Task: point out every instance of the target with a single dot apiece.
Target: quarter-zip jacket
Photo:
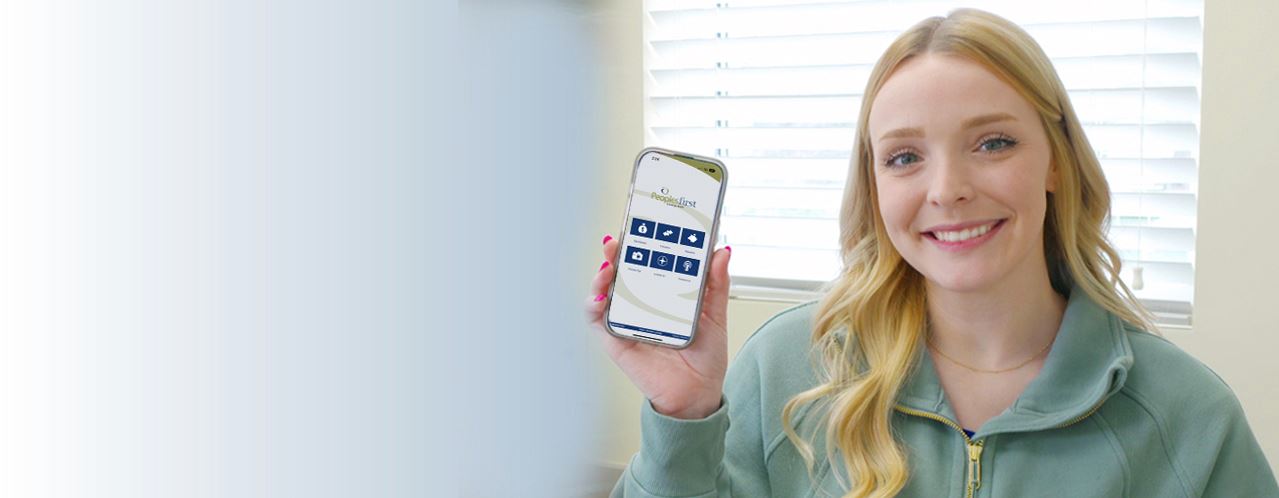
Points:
(1114, 412)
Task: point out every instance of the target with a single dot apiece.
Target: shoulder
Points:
(1176, 401)
(1176, 389)
(784, 340)
(785, 326)
(1163, 370)
(776, 363)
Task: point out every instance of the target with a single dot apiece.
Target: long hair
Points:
(878, 301)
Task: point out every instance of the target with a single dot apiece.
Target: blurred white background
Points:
(251, 249)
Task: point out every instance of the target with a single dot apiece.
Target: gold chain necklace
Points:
(979, 370)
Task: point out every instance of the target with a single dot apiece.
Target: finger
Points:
(715, 299)
(718, 282)
(598, 297)
(594, 308)
(603, 278)
(610, 249)
(612, 344)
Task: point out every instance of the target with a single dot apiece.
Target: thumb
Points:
(718, 284)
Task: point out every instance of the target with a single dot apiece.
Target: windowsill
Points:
(771, 294)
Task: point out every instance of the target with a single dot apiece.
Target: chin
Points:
(966, 280)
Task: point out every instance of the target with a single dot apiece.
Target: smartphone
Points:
(667, 238)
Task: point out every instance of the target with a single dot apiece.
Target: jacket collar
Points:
(1087, 363)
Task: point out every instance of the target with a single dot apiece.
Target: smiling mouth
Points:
(965, 235)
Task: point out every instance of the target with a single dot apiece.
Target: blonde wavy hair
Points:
(879, 299)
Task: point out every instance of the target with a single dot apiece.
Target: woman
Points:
(977, 342)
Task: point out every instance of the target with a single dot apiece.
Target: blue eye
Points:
(901, 159)
(996, 144)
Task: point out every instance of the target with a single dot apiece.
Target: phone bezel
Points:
(710, 251)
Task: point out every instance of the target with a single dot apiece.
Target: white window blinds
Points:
(773, 88)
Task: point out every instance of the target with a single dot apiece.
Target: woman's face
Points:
(962, 167)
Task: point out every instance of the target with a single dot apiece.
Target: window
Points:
(773, 88)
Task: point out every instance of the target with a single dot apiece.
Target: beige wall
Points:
(1236, 268)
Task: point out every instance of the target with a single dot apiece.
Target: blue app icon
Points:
(643, 228)
(687, 266)
(663, 261)
(636, 256)
(668, 233)
(692, 238)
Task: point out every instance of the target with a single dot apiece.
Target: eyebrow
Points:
(968, 123)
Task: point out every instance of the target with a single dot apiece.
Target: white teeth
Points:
(963, 235)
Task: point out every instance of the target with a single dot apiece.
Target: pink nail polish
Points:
(603, 266)
(600, 297)
(607, 238)
(728, 248)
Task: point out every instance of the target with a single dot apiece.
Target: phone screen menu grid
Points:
(685, 242)
(661, 251)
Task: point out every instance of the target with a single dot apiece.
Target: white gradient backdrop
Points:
(249, 248)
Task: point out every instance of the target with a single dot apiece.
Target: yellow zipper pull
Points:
(974, 466)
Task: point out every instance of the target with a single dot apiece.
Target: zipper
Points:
(973, 479)
(1076, 420)
(974, 466)
(975, 447)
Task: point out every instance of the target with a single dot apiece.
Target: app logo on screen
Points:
(662, 261)
(643, 228)
(692, 238)
(687, 266)
(636, 256)
(667, 233)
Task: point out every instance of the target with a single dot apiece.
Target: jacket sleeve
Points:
(721, 455)
(1230, 462)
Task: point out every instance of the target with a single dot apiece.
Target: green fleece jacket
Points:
(1115, 412)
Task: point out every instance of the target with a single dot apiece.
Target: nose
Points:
(950, 183)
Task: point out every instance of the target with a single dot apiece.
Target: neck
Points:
(998, 326)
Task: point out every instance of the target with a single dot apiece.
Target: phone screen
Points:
(664, 248)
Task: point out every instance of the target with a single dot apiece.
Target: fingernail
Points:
(603, 266)
(600, 297)
(728, 248)
(607, 238)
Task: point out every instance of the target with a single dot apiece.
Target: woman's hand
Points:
(682, 383)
